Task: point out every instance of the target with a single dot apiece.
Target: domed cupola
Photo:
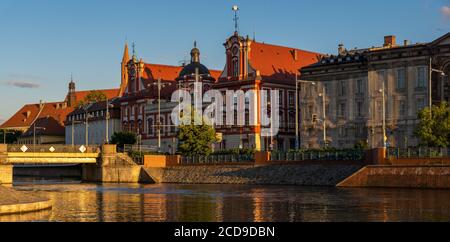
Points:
(189, 70)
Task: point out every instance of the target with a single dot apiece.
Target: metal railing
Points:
(140, 148)
(418, 152)
(341, 155)
(53, 149)
(217, 159)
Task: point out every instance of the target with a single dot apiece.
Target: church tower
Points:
(71, 97)
(124, 70)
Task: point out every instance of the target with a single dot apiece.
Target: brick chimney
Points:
(389, 40)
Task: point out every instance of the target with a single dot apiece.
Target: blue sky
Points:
(43, 41)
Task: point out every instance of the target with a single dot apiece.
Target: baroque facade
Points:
(354, 82)
(249, 65)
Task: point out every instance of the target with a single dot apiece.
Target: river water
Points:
(79, 202)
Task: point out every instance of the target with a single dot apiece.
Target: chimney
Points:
(389, 41)
(295, 52)
(406, 42)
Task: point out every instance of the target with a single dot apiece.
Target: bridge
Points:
(99, 164)
(50, 154)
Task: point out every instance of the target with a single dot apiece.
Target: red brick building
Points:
(252, 65)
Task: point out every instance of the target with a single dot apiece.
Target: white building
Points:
(96, 132)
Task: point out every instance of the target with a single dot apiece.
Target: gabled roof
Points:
(42, 114)
(278, 62)
(25, 117)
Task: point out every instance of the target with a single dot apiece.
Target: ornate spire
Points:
(236, 19)
(126, 55)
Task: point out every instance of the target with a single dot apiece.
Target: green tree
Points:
(93, 97)
(196, 139)
(361, 145)
(434, 129)
(11, 136)
(123, 138)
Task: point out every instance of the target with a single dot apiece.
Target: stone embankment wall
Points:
(409, 176)
(304, 174)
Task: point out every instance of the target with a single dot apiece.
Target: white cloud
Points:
(23, 84)
(445, 10)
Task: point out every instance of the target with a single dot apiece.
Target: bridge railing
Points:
(319, 155)
(417, 153)
(217, 159)
(53, 149)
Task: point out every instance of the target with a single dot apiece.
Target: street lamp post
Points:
(87, 125)
(159, 85)
(430, 93)
(297, 113)
(383, 91)
(107, 118)
(324, 110)
(34, 134)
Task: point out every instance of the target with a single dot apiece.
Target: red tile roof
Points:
(51, 116)
(279, 62)
(168, 73)
(110, 93)
(57, 111)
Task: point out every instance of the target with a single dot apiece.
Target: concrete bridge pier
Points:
(6, 171)
(113, 167)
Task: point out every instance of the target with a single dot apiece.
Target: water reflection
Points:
(233, 203)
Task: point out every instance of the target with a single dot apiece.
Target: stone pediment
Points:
(444, 40)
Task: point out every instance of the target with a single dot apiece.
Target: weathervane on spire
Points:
(134, 49)
(236, 18)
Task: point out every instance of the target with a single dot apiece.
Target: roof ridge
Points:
(163, 65)
(286, 47)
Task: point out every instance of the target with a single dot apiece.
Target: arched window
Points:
(235, 67)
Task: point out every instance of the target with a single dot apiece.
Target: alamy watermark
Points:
(222, 108)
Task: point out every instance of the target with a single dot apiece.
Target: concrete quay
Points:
(14, 202)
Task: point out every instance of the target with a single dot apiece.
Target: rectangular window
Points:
(379, 110)
(291, 98)
(342, 110)
(281, 100)
(291, 120)
(420, 104)
(381, 79)
(327, 89)
(402, 108)
(359, 87)
(421, 77)
(359, 109)
(401, 79)
(343, 90)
